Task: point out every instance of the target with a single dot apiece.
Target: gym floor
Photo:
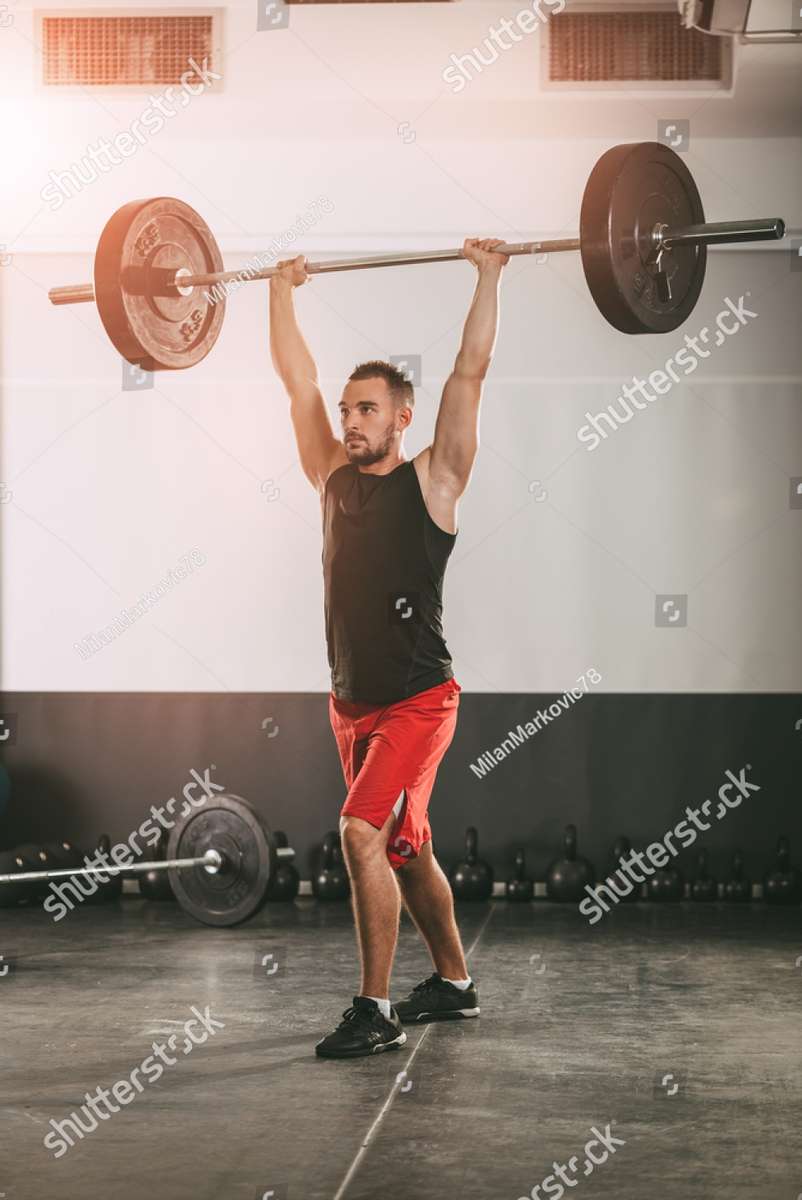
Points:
(671, 1030)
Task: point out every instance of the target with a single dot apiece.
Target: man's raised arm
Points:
(456, 434)
(317, 445)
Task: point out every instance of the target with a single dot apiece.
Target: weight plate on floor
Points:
(631, 189)
(150, 323)
(230, 825)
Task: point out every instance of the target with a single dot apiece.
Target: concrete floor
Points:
(677, 1026)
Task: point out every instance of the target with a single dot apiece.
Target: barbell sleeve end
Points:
(76, 293)
(712, 233)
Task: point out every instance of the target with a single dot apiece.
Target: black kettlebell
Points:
(331, 882)
(781, 886)
(519, 888)
(704, 887)
(738, 888)
(667, 883)
(285, 883)
(12, 894)
(112, 889)
(472, 879)
(568, 876)
(38, 859)
(155, 884)
(64, 855)
(618, 879)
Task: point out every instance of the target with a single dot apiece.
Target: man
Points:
(389, 526)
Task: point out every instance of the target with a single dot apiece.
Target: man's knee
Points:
(359, 838)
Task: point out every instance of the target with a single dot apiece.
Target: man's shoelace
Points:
(429, 984)
(354, 1014)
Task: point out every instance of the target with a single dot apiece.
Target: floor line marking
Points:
(360, 1154)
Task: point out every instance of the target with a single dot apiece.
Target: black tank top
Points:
(384, 560)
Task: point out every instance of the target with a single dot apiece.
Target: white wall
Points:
(108, 489)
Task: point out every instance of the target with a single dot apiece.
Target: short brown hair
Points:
(400, 388)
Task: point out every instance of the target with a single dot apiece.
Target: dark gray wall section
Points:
(84, 763)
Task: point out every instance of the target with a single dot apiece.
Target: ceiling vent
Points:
(626, 48)
(132, 49)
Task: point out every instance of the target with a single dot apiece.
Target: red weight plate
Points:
(140, 248)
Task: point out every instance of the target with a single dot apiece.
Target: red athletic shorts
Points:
(390, 755)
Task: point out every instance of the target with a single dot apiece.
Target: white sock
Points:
(462, 984)
(384, 1005)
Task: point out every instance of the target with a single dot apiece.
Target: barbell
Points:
(221, 860)
(643, 240)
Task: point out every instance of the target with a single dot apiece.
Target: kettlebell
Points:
(38, 859)
(331, 881)
(285, 883)
(472, 879)
(667, 883)
(64, 854)
(567, 877)
(704, 887)
(738, 888)
(155, 885)
(618, 879)
(519, 888)
(12, 894)
(112, 890)
(781, 886)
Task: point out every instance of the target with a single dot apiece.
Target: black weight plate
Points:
(229, 824)
(141, 246)
(630, 190)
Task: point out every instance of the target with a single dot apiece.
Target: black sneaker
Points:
(363, 1030)
(437, 1000)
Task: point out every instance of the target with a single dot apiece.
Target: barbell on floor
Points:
(643, 240)
(221, 860)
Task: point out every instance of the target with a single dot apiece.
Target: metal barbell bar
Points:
(710, 233)
(80, 292)
(212, 860)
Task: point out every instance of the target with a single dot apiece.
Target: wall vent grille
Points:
(114, 51)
